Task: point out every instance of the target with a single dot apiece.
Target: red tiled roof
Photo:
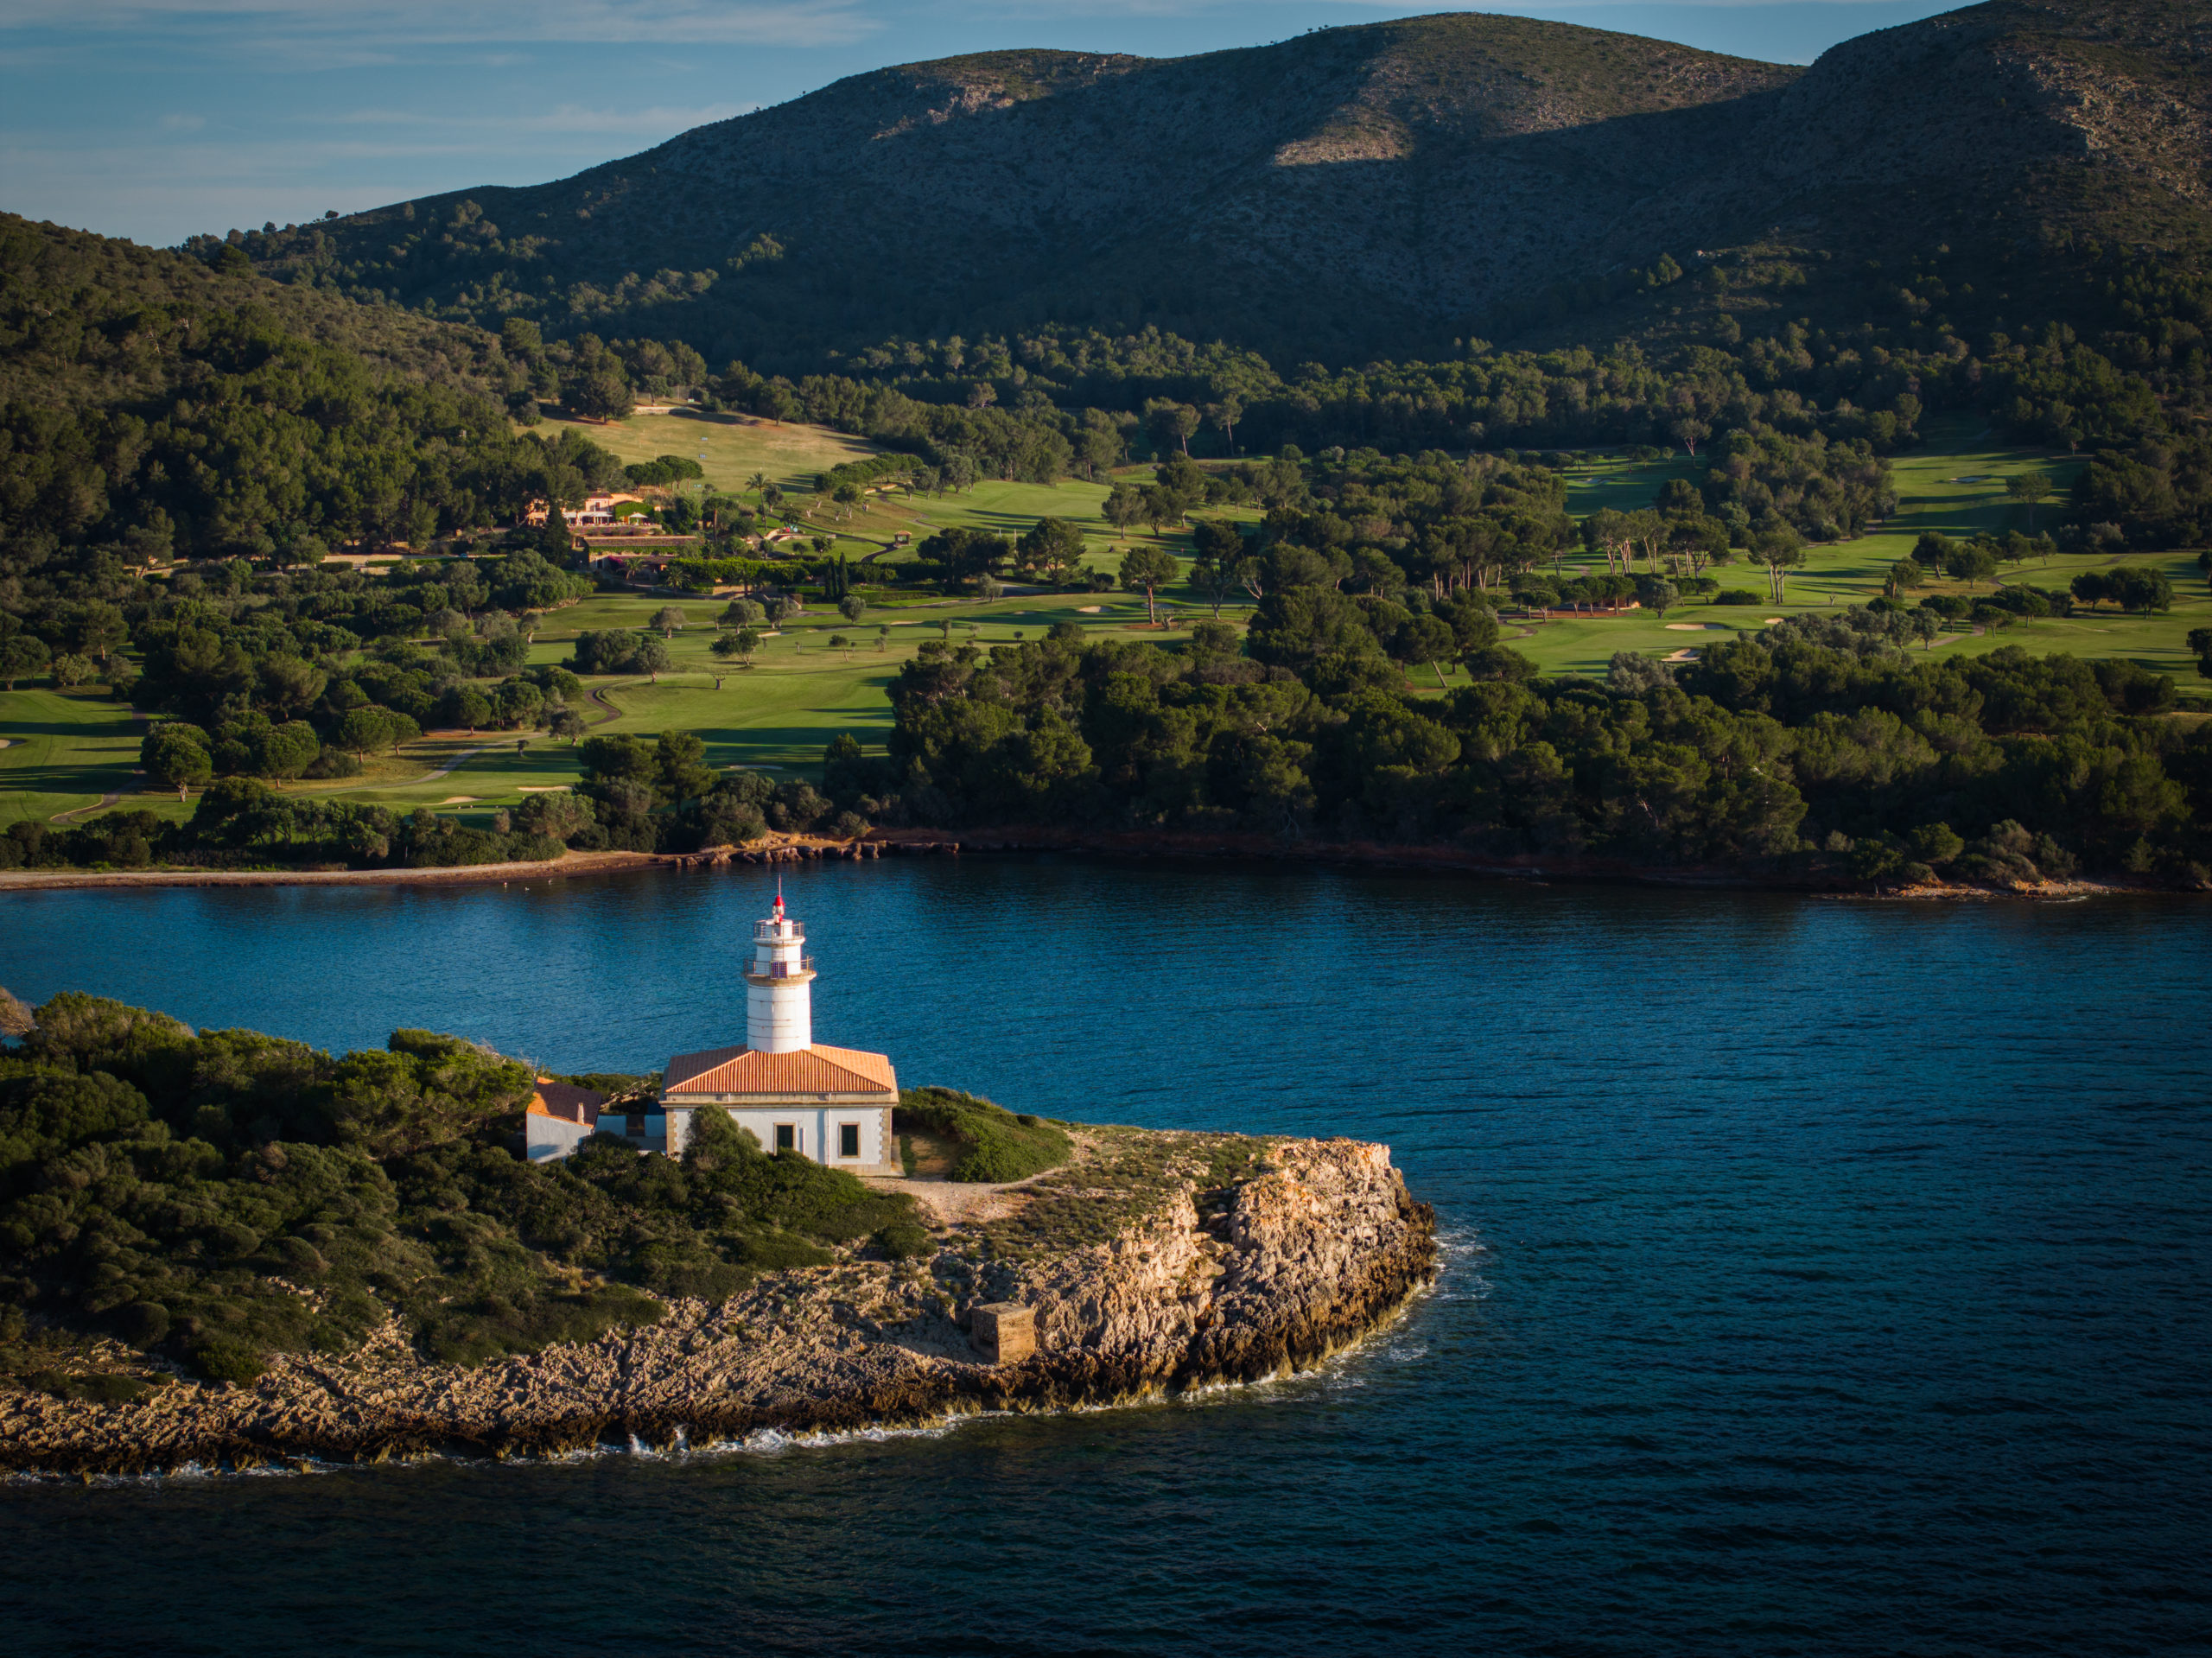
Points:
(818, 1069)
(567, 1101)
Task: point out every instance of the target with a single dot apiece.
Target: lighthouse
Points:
(778, 985)
(794, 1096)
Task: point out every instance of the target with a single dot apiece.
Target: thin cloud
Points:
(388, 29)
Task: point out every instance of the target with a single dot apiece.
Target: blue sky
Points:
(155, 120)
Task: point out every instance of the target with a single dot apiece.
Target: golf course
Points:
(69, 751)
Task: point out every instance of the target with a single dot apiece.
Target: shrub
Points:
(905, 1240)
(142, 1323)
(472, 1332)
(1736, 596)
(99, 1388)
(999, 1145)
(775, 1252)
(225, 1358)
(258, 1198)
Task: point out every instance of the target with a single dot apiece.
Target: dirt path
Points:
(100, 805)
(952, 1202)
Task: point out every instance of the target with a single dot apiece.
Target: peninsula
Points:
(219, 1249)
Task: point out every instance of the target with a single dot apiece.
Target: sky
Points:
(158, 119)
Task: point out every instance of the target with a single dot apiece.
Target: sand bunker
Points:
(458, 800)
(1690, 627)
(540, 789)
(1682, 655)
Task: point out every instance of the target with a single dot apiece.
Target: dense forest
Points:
(220, 1195)
(1817, 752)
(2115, 364)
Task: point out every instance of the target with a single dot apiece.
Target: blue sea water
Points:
(1821, 1278)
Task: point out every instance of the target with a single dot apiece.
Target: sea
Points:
(1818, 1277)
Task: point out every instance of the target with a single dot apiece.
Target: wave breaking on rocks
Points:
(1143, 1280)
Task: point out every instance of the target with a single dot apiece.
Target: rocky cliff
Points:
(1153, 1263)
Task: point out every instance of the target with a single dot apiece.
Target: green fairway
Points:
(66, 751)
(777, 714)
(734, 446)
(1957, 486)
(999, 508)
(1625, 485)
(731, 447)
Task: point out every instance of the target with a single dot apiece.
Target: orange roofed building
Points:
(791, 1093)
(559, 1118)
(831, 1104)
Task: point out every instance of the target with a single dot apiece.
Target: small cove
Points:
(1819, 1277)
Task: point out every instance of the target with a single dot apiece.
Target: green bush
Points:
(1736, 596)
(905, 1240)
(998, 1145)
(494, 1324)
(142, 1323)
(224, 1359)
(786, 1190)
(775, 1252)
(99, 1388)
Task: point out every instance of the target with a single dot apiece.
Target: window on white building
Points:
(786, 1137)
(849, 1139)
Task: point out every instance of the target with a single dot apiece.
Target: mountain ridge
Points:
(1384, 188)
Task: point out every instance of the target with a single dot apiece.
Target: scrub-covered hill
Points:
(1340, 188)
(90, 320)
(1383, 189)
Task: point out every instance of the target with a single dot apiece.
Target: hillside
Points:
(153, 404)
(1383, 189)
(88, 320)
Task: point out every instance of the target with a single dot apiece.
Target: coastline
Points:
(1198, 1286)
(1157, 843)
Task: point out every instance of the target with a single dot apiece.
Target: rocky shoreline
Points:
(1196, 1286)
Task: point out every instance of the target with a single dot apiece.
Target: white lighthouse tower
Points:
(779, 981)
(793, 1095)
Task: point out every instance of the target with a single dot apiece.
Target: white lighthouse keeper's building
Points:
(794, 1094)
